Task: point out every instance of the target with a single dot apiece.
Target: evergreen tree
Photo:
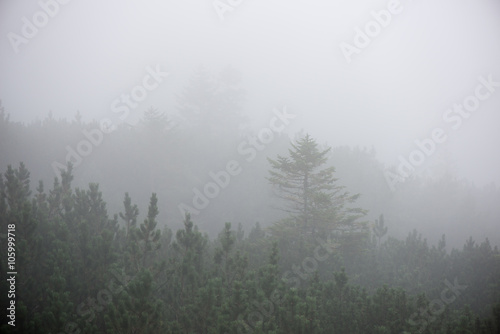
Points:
(71, 275)
(213, 106)
(155, 122)
(379, 229)
(147, 234)
(130, 215)
(310, 191)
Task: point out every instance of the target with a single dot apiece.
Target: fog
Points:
(386, 95)
(197, 101)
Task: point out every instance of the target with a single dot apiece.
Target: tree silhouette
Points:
(379, 229)
(310, 191)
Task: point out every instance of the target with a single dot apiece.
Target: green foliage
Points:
(317, 205)
(130, 214)
(379, 228)
(310, 190)
(80, 270)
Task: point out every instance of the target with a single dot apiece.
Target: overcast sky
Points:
(394, 91)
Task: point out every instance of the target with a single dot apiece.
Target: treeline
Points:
(82, 270)
(174, 159)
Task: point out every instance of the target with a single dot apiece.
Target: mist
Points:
(192, 101)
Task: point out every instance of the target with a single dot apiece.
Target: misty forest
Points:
(210, 193)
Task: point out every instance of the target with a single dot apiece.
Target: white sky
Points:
(394, 92)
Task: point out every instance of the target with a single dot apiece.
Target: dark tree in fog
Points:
(213, 107)
(310, 191)
(379, 228)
